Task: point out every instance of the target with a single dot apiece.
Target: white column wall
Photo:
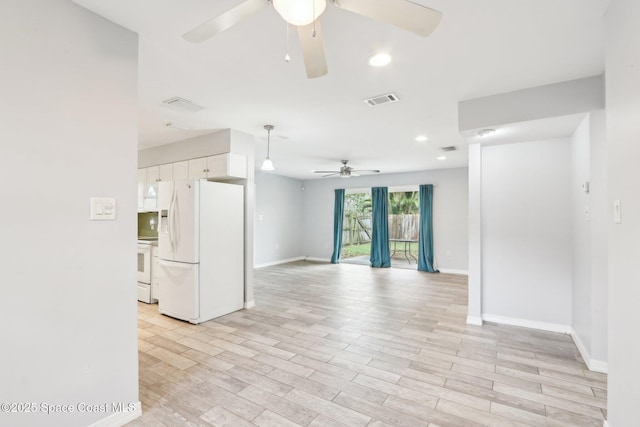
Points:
(69, 132)
(623, 151)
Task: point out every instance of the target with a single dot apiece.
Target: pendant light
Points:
(267, 165)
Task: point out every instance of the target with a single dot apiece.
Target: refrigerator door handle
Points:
(172, 221)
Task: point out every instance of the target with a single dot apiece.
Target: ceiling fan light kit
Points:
(304, 14)
(345, 171)
(380, 60)
(299, 12)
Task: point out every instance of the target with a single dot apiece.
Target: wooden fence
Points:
(356, 230)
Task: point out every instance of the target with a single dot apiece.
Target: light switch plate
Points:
(103, 208)
(617, 212)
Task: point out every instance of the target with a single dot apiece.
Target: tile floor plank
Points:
(347, 345)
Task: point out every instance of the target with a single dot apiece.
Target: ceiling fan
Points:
(304, 15)
(346, 171)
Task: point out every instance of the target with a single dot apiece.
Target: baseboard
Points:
(315, 259)
(599, 366)
(280, 261)
(120, 418)
(593, 365)
(249, 304)
(474, 320)
(524, 323)
(453, 271)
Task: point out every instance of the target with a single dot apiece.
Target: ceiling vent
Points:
(185, 104)
(449, 148)
(382, 99)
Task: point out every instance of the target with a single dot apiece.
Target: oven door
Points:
(144, 263)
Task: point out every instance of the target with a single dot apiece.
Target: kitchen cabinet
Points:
(148, 179)
(148, 188)
(142, 185)
(221, 166)
(180, 170)
(198, 168)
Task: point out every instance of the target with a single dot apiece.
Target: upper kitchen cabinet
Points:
(148, 179)
(221, 166)
(180, 170)
(142, 185)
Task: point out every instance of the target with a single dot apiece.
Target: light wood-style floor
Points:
(348, 345)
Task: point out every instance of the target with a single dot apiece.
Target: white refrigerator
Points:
(201, 249)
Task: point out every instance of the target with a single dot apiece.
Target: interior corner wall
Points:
(69, 132)
(450, 212)
(590, 239)
(580, 218)
(526, 233)
(622, 51)
(279, 219)
(599, 220)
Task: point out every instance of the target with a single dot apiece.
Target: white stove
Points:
(147, 247)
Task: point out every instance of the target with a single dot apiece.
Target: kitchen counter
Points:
(153, 241)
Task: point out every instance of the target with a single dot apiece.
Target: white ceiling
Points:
(480, 48)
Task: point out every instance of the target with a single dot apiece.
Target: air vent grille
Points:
(382, 99)
(449, 148)
(185, 104)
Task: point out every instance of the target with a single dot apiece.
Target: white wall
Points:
(599, 213)
(526, 232)
(474, 304)
(580, 217)
(590, 240)
(623, 152)
(279, 217)
(450, 212)
(555, 100)
(68, 132)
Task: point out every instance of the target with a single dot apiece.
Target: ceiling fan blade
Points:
(331, 174)
(228, 19)
(401, 13)
(312, 46)
(366, 170)
(314, 171)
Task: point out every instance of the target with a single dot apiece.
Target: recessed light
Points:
(442, 157)
(485, 132)
(421, 138)
(380, 60)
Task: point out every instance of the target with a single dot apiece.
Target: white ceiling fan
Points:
(304, 15)
(346, 171)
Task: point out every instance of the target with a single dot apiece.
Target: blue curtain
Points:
(425, 239)
(380, 256)
(338, 215)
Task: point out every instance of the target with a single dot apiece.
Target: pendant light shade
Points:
(300, 12)
(267, 165)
